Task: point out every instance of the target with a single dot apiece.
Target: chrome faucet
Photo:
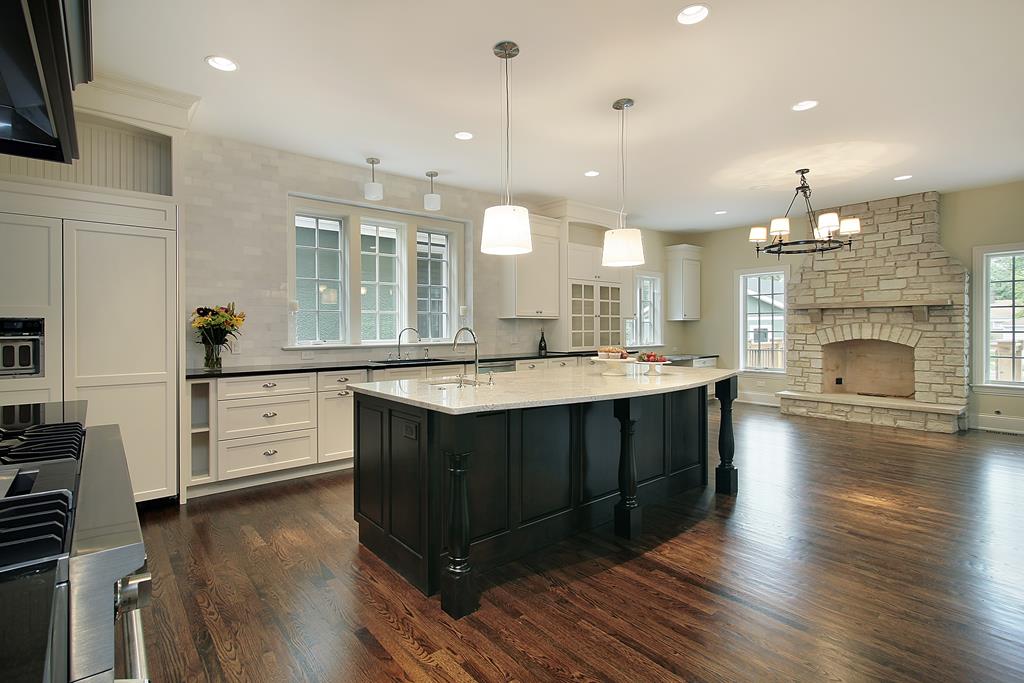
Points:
(407, 329)
(476, 349)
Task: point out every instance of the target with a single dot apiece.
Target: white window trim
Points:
(659, 332)
(352, 214)
(401, 274)
(980, 324)
(739, 324)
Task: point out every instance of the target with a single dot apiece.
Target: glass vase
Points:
(212, 360)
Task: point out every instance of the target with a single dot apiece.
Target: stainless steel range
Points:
(72, 558)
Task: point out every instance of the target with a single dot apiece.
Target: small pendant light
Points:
(432, 200)
(506, 230)
(622, 246)
(373, 190)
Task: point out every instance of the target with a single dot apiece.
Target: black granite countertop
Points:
(328, 366)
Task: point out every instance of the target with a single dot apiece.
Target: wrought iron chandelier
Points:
(827, 232)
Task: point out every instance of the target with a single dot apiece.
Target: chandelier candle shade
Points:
(432, 200)
(826, 232)
(373, 190)
(506, 230)
(623, 246)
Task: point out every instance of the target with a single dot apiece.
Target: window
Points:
(318, 279)
(1003, 345)
(763, 321)
(647, 329)
(433, 288)
(379, 289)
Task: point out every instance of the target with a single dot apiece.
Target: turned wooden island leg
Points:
(458, 594)
(725, 473)
(627, 511)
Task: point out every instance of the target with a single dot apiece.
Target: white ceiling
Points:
(927, 87)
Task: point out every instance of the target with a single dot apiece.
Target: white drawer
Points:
(335, 413)
(243, 457)
(338, 379)
(265, 385)
(399, 373)
(448, 370)
(532, 364)
(563, 362)
(254, 416)
(705, 362)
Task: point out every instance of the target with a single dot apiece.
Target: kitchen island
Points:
(450, 479)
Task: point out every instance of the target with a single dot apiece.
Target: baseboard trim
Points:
(761, 398)
(997, 423)
(212, 488)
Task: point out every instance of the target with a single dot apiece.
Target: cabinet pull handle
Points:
(270, 385)
(344, 393)
(342, 380)
(532, 366)
(270, 453)
(270, 413)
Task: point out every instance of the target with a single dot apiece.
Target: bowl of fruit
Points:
(651, 361)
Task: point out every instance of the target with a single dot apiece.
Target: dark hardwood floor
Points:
(851, 553)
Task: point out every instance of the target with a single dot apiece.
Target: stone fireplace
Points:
(879, 334)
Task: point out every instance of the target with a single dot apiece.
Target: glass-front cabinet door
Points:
(596, 315)
(609, 316)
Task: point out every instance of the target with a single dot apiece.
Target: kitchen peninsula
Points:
(451, 479)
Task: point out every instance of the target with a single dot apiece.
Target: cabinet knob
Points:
(342, 380)
(270, 413)
(344, 393)
(272, 452)
(532, 366)
(270, 385)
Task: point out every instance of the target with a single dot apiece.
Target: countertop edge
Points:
(536, 403)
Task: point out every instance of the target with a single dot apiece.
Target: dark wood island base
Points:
(433, 490)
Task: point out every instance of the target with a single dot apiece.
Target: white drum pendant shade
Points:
(506, 231)
(432, 202)
(623, 247)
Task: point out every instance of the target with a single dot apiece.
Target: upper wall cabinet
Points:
(530, 282)
(585, 264)
(682, 263)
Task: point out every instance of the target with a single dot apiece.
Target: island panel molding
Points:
(898, 285)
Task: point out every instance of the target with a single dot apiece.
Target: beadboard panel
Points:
(111, 155)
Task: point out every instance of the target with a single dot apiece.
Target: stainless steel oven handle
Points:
(132, 593)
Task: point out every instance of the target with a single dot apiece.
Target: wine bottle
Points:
(542, 347)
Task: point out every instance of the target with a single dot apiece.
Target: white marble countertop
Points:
(534, 388)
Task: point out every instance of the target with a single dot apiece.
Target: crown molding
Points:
(141, 104)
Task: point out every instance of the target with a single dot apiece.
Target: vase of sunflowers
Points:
(215, 328)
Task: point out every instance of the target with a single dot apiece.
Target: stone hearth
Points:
(896, 288)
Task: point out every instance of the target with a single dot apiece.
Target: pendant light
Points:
(373, 190)
(432, 200)
(506, 230)
(622, 246)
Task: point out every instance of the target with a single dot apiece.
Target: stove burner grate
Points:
(41, 442)
(33, 527)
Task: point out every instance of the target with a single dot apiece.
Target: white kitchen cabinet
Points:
(254, 416)
(531, 364)
(530, 282)
(30, 287)
(568, 362)
(339, 379)
(260, 454)
(265, 385)
(585, 264)
(399, 373)
(336, 430)
(596, 315)
(448, 370)
(682, 263)
(120, 333)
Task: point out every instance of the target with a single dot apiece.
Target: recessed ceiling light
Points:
(804, 105)
(903, 177)
(692, 14)
(592, 174)
(463, 135)
(721, 213)
(221, 63)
